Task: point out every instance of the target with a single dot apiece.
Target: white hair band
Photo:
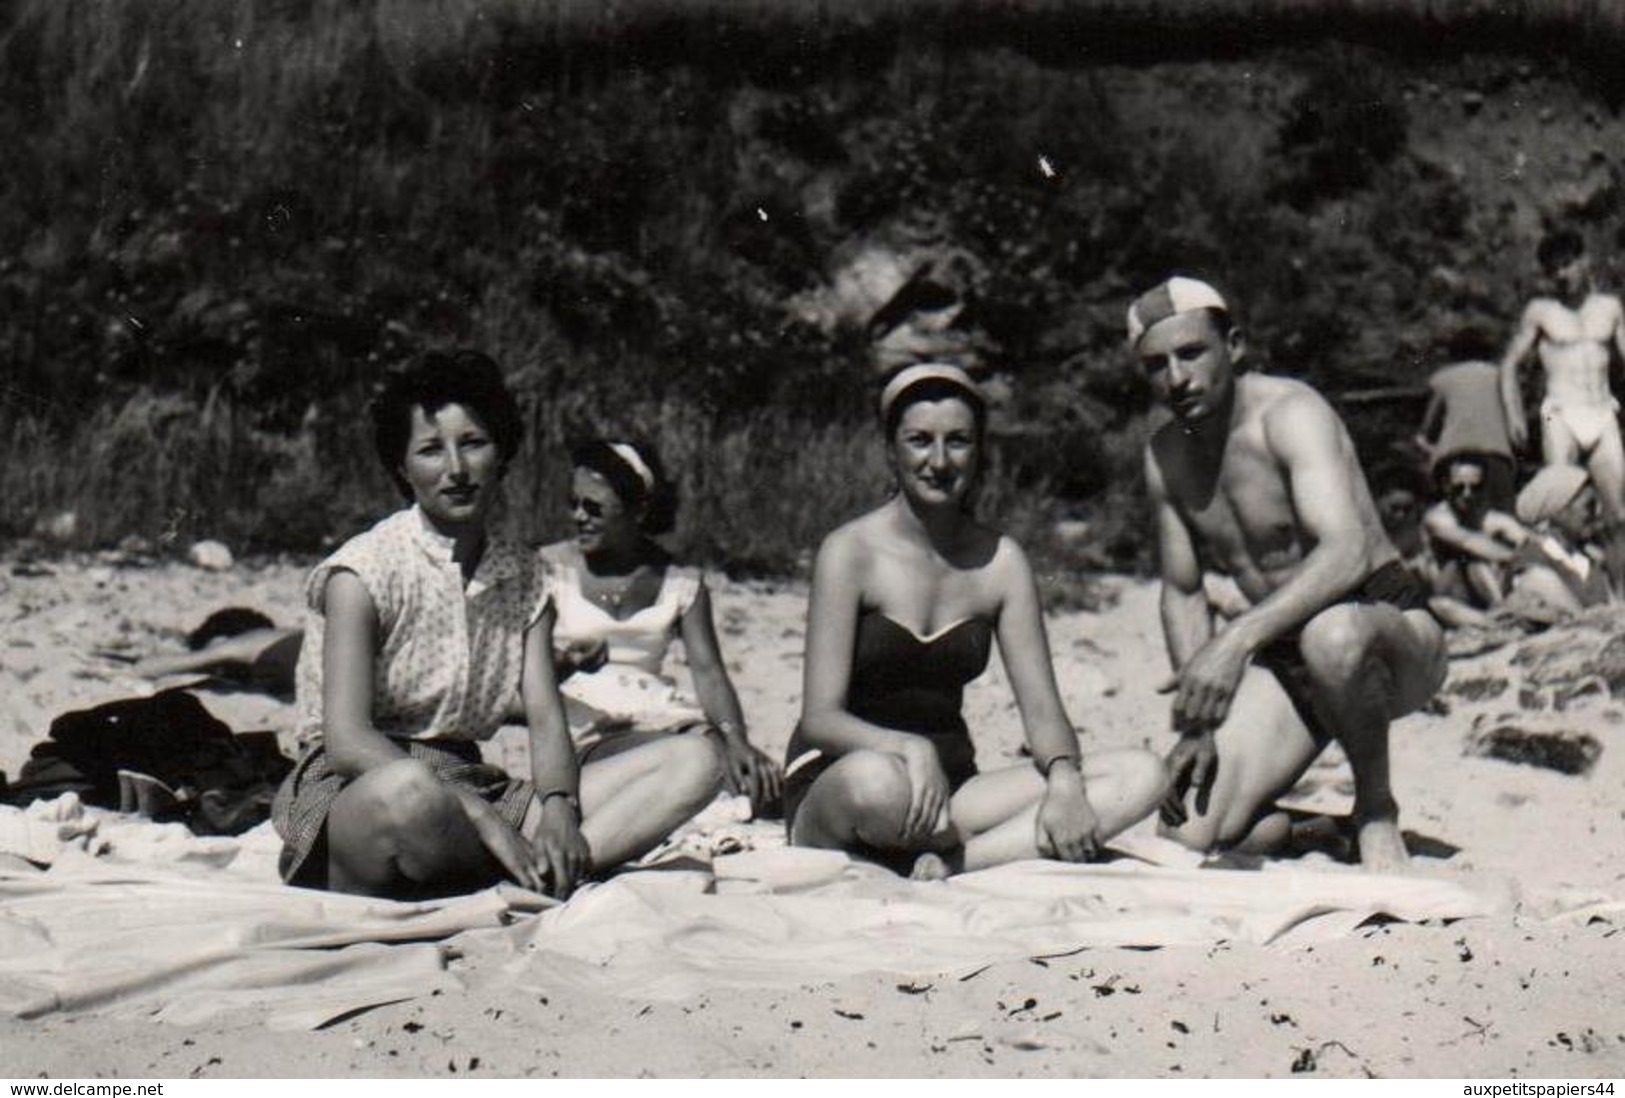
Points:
(925, 371)
(629, 454)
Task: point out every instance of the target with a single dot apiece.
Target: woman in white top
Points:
(420, 631)
(621, 600)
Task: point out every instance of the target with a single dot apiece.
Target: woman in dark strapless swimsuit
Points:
(906, 603)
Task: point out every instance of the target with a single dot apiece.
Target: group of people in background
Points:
(428, 631)
(1492, 552)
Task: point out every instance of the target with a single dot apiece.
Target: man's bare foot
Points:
(1382, 848)
(929, 867)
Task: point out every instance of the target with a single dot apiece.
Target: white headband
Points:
(925, 371)
(629, 454)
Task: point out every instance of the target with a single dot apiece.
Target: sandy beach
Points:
(1535, 993)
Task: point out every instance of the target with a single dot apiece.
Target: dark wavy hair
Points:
(432, 381)
(1558, 248)
(658, 503)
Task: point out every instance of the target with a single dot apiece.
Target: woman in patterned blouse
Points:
(419, 632)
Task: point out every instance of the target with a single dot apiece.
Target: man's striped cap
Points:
(1177, 295)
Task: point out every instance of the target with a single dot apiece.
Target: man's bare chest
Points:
(1242, 507)
(1593, 322)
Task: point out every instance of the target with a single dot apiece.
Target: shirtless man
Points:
(1473, 543)
(1573, 334)
(1256, 477)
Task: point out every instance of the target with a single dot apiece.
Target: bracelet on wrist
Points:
(564, 795)
(730, 728)
(1049, 764)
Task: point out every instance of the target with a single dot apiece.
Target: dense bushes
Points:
(221, 220)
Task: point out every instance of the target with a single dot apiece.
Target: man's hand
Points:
(927, 789)
(1067, 826)
(1193, 763)
(1207, 683)
(559, 852)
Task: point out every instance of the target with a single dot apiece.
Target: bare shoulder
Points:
(1440, 519)
(1296, 419)
(1009, 569)
(849, 544)
(1287, 404)
(1008, 554)
(1535, 313)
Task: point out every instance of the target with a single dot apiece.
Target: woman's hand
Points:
(1068, 828)
(927, 788)
(560, 851)
(503, 840)
(748, 772)
(585, 656)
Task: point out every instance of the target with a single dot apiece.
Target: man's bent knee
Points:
(1336, 645)
(1208, 834)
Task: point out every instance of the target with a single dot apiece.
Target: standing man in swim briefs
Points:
(1256, 477)
(1573, 334)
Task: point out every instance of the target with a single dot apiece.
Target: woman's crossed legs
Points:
(860, 803)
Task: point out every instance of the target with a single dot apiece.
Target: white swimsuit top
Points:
(628, 693)
(640, 640)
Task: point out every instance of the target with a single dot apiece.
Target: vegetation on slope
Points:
(221, 221)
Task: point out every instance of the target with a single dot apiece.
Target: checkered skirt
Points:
(300, 810)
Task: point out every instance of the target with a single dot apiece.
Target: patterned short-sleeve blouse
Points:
(448, 657)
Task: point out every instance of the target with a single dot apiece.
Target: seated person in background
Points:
(1399, 505)
(906, 603)
(1557, 571)
(621, 600)
(419, 632)
(1472, 543)
(1256, 477)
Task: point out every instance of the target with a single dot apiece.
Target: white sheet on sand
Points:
(135, 918)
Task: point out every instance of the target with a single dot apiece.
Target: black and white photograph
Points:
(781, 539)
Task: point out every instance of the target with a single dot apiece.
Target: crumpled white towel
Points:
(663, 936)
(134, 917)
(43, 830)
(168, 925)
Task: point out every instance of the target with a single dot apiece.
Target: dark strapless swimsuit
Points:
(908, 683)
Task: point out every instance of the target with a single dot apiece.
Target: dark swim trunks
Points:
(1391, 585)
